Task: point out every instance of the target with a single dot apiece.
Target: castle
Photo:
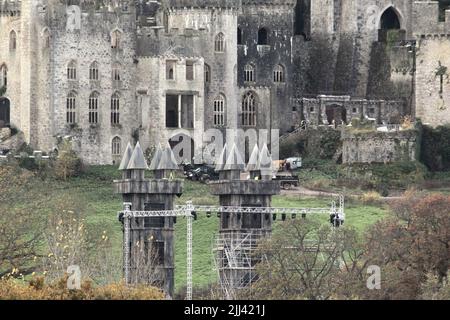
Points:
(111, 72)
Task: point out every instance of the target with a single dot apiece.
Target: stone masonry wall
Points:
(379, 147)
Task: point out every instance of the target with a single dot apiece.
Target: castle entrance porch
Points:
(4, 112)
(336, 114)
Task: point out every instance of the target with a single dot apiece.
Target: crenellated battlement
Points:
(10, 7)
(288, 3)
(224, 4)
(426, 20)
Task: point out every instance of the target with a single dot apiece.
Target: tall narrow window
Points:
(72, 70)
(249, 109)
(12, 41)
(93, 108)
(278, 73)
(71, 104)
(93, 71)
(46, 38)
(219, 111)
(115, 147)
(116, 72)
(219, 43)
(172, 111)
(170, 69)
(115, 106)
(207, 73)
(239, 35)
(262, 36)
(189, 70)
(249, 73)
(3, 76)
(116, 39)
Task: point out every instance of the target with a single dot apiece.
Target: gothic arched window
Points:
(93, 108)
(262, 36)
(249, 103)
(219, 43)
(71, 104)
(72, 70)
(116, 36)
(116, 72)
(219, 110)
(207, 73)
(12, 41)
(249, 73)
(93, 71)
(3, 76)
(278, 73)
(115, 106)
(116, 146)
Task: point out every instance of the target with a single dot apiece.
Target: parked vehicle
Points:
(287, 180)
(288, 164)
(293, 163)
(204, 174)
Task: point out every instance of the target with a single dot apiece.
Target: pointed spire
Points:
(137, 160)
(156, 158)
(221, 159)
(253, 162)
(126, 157)
(265, 161)
(234, 160)
(168, 161)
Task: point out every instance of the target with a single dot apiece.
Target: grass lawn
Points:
(93, 192)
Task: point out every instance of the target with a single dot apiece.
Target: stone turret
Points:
(150, 236)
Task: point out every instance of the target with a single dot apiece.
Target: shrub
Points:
(318, 143)
(435, 149)
(67, 163)
(37, 289)
(28, 163)
(371, 197)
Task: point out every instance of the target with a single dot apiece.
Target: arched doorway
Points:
(390, 26)
(262, 36)
(390, 20)
(4, 112)
(336, 114)
(182, 146)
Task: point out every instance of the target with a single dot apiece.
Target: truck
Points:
(287, 180)
(283, 172)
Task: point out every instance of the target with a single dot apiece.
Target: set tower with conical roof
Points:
(151, 238)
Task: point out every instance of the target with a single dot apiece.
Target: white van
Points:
(294, 163)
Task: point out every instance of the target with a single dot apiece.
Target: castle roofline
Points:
(269, 2)
(10, 7)
(204, 4)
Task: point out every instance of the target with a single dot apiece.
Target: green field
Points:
(93, 193)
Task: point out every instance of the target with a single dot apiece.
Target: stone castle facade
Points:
(111, 72)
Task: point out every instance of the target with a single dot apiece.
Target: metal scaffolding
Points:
(232, 252)
(234, 261)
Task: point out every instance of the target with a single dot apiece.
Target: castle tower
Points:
(28, 70)
(265, 70)
(151, 246)
(240, 231)
(210, 26)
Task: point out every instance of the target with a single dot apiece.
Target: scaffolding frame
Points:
(233, 256)
(238, 248)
